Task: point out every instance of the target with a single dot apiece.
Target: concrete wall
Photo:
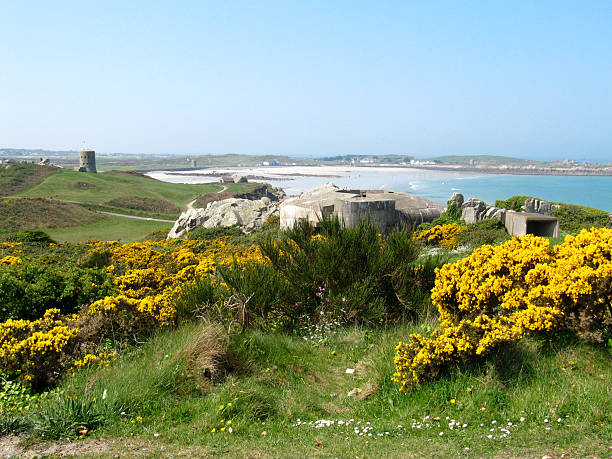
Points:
(521, 223)
(382, 212)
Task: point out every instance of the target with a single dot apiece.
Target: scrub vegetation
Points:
(452, 340)
(286, 343)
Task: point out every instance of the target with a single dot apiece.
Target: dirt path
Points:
(190, 204)
(135, 217)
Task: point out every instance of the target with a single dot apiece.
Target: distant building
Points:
(416, 162)
(194, 163)
(233, 179)
(368, 160)
(87, 161)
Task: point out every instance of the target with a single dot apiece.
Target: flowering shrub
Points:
(136, 293)
(35, 349)
(10, 260)
(498, 295)
(29, 288)
(442, 235)
(150, 277)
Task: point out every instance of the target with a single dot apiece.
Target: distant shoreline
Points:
(328, 170)
(508, 170)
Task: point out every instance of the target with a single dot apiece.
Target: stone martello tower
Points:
(87, 161)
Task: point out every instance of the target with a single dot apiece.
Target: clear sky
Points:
(522, 78)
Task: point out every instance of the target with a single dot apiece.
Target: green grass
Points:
(16, 177)
(106, 192)
(104, 187)
(108, 228)
(19, 214)
(274, 379)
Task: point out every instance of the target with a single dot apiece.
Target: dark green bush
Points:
(260, 295)
(28, 290)
(32, 236)
(96, 259)
(196, 297)
(487, 231)
(361, 277)
(513, 203)
(573, 218)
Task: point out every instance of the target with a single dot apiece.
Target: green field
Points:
(108, 228)
(99, 189)
(128, 193)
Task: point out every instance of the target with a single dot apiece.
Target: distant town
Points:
(147, 162)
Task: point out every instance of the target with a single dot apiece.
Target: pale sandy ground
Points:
(280, 171)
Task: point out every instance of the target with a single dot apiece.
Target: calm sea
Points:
(435, 185)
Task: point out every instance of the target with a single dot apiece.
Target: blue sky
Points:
(530, 79)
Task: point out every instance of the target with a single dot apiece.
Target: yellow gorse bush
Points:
(28, 347)
(500, 294)
(10, 260)
(148, 277)
(442, 235)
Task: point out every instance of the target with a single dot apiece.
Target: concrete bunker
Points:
(522, 223)
(387, 209)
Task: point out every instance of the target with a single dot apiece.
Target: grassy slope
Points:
(108, 186)
(108, 228)
(279, 379)
(19, 214)
(19, 176)
(97, 190)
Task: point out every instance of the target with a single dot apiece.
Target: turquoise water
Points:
(435, 185)
(588, 191)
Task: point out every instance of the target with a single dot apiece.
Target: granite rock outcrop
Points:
(247, 214)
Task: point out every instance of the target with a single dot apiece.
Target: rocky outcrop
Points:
(539, 207)
(248, 214)
(457, 199)
(474, 210)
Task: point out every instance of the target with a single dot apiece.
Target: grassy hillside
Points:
(15, 177)
(108, 228)
(71, 199)
(287, 396)
(105, 188)
(24, 213)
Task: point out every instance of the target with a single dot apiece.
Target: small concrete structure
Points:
(522, 223)
(389, 210)
(233, 179)
(87, 161)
